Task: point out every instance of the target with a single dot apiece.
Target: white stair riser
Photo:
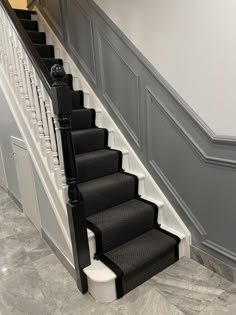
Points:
(103, 292)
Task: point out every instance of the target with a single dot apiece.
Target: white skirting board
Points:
(101, 280)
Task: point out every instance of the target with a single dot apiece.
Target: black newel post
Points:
(62, 105)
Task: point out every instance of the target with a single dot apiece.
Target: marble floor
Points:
(33, 281)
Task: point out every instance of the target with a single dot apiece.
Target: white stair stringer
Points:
(101, 280)
(55, 196)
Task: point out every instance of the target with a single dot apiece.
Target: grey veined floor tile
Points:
(189, 286)
(6, 201)
(2, 192)
(13, 222)
(57, 281)
(224, 304)
(21, 293)
(12, 257)
(34, 282)
(144, 300)
(213, 264)
(38, 249)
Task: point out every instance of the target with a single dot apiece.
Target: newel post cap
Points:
(58, 75)
(60, 92)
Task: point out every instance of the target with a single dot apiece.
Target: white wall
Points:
(192, 43)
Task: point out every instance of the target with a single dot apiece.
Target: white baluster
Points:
(59, 147)
(8, 59)
(39, 129)
(19, 87)
(2, 40)
(25, 100)
(47, 141)
(32, 110)
(4, 53)
(55, 153)
(27, 90)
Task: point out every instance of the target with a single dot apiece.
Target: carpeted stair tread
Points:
(77, 99)
(24, 14)
(98, 163)
(45, 51)
(83, 119)
(139, 259)
(37, 37)
(119, 224)
(49, 62)
(88, 140)
(108, 191)
(29, 25)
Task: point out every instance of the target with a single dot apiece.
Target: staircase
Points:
(127, 241)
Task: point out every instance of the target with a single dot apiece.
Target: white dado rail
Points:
(32, 109)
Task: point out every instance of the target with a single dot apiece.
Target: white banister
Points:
(42, 110)
(35, 116)
(31, 117)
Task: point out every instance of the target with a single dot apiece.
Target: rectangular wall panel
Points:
(80, 37)
(203, 190)
(53, 10)
(120, 87)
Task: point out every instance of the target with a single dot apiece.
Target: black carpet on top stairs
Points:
(128, 238)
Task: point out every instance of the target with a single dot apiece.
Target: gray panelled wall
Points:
(195, 169)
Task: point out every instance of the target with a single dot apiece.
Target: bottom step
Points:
(131, 264)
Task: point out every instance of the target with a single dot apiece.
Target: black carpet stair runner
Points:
(128, 239)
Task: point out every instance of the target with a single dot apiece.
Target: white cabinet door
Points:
(3, 178)
(26, 182)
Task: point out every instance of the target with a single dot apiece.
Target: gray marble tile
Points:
(11, 255)
(3, 308)
(2, 192)
(15, 263)
(37, 249)
(9, 245)
(21, 294)
(14, 223)
(26, 306)
(144, 300)
(25, 283)
(16, 229)
(57, 280)
(21, 286)
(33, 281)
(224, 304)
(213, 264)
(59, 284)
(10, 214)
(5, 201)
(32, 241)
(189, 286)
